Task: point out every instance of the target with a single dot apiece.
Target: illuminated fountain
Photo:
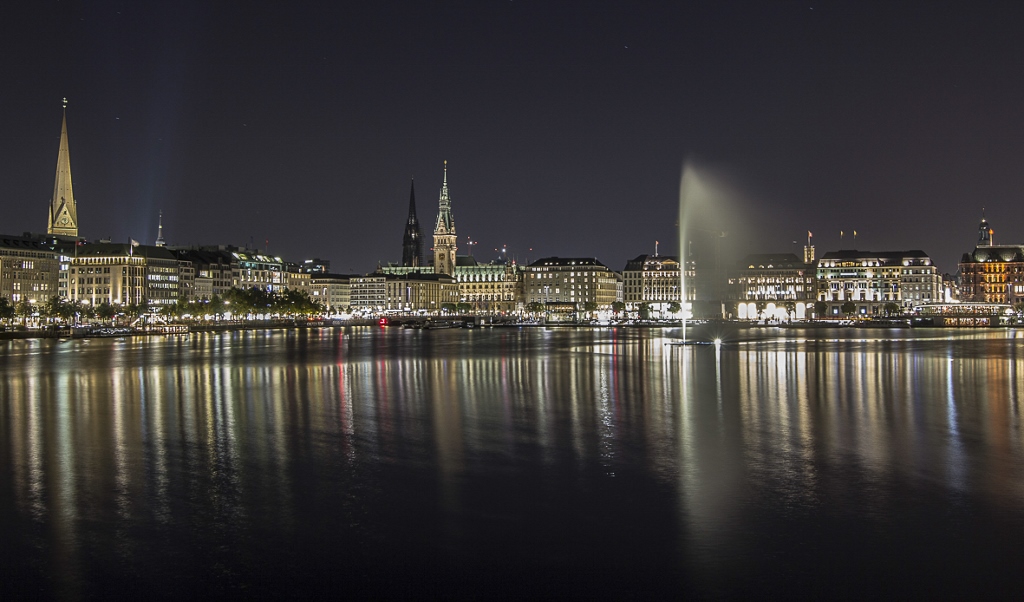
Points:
(705, 200)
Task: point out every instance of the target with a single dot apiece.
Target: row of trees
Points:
(237, 302)
(58, 310)
(589, 307)
(248, 302)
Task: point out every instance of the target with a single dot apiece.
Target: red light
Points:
(383, 322)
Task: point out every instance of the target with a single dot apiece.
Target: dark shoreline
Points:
(295, 324)
(273, 325)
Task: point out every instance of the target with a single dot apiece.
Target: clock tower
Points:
(63, 220)
(444, 232)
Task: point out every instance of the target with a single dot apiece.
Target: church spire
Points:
(160, 230)
(412, 200)
(445, 223)
(63, 218)
(444, 232)
(412, 242)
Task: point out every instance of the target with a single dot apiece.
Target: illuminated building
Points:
(316, 266)
(418, 292)
(256, 270)
(654, 280)
(332, 290)
(772, 280)
(444, 232)
(398, 270)
(412, 240)
(808, 253)
(29, 270)
(992, 273)
(297, 280)
(369, 293)
(570, 281)
(214, 272)
(63, 216)
(186, 278)
(870, 280)
(123, 274)
(491, 288)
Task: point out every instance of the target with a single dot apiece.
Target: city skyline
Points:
(567, 126)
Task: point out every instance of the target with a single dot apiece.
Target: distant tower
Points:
(444, 232)
(984, 232)
(412, 242)
(63, 219)
(160, 230)
(809, 249)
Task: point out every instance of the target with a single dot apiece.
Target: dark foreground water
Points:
(593, 463)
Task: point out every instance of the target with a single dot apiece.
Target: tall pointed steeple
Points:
(63, 218)
(160, 230)
(412, 242)
(444, 232)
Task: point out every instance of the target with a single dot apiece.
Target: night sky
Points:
(565, 125)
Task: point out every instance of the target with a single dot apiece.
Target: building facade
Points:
(490, 288)
(420, 293)
(570, 280)
(297, 280)
(214, 272)
(369, 293)
(186, 278)
(776, 286)
(256, 270)
(332, 290)
(870, 280)
(123, 274)
(29, 270)
(655, 280)
(992, 274)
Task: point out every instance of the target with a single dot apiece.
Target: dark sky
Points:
(565, 125)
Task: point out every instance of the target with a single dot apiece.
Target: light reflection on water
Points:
(600, 461)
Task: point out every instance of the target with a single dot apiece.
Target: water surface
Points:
(583, 463)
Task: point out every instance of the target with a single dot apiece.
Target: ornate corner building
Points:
(992, 273)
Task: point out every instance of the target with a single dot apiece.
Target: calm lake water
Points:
(581, 463)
